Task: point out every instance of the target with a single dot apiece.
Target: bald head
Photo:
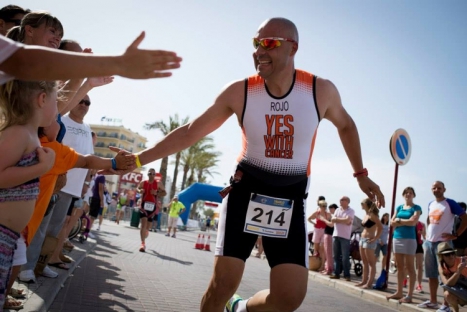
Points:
(284, 26)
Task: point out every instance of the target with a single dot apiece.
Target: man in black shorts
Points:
(279, 112)
(150, 190)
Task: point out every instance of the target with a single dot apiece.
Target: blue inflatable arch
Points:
(198, 191)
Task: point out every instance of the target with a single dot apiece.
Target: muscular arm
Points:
(330, 107)
(227, 103)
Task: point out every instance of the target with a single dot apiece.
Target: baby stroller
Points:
(311, 247)
(355, 253)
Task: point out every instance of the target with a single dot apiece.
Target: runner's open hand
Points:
(371, 189)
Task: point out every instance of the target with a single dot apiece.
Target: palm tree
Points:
(197, 162)
(174, 123)
(203, 163)
(188, 158)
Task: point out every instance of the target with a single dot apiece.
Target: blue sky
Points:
(397, 64)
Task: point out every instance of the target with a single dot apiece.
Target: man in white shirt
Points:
(342, 219)
(440, 224)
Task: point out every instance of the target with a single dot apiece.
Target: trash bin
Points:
(135, 218)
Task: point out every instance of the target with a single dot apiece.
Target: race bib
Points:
(149, 206)
(268, 216)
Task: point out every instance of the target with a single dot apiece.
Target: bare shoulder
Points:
(228, 102)
(233, 95)
(327, 96)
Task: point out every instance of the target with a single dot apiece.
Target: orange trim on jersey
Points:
(303, 76)
(254, 81)
(308, 168)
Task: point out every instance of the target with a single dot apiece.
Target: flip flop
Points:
(406, 299)
(59, 265)
(17, 293)
(12, 304)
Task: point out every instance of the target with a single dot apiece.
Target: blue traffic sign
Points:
(400, 147)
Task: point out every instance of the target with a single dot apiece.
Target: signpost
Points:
(400, 148)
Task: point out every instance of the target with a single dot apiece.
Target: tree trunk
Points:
(174, 182)
(185, 174)
(163, 169)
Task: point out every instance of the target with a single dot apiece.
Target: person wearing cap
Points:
(453, 273)
(176, 208)
(441, 212)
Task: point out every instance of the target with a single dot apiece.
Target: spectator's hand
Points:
(61, 182)
(46, 158)
(461, 266)
(448, 236)
(372, 190)
(125, 160)
(333, 219)
(94, 82)
(143, 64)
(394, 223)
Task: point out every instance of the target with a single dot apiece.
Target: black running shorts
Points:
(232, 241)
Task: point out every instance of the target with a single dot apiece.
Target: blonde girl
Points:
(24, 107)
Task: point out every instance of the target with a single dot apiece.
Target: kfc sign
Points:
(132, 177)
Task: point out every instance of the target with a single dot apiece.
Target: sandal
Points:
(68, 246)
(12, 304)
(17, 293)
(59, 265)
(406, 299)
(65, 258)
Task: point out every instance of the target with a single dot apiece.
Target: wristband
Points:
(114, 164)
(138, 163)
(363, 172)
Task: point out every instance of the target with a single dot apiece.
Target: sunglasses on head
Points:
(17, 22)
(270, 42)
(85, 102)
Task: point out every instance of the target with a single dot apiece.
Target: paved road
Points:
(170, 276)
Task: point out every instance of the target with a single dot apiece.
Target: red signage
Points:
(132, 177)
(211, 204)
(158, 177)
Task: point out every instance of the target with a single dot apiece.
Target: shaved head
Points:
(287, 27)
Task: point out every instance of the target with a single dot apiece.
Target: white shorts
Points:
(19, 258)
(173, 222)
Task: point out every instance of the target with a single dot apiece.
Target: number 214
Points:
(279, 219)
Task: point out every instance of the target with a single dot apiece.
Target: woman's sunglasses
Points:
(270, 43)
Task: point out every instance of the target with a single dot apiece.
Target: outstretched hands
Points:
(125, 160)
(143, 64)
(123, 156)
(372, 190)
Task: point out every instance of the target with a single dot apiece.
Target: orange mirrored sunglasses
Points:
(270, 42)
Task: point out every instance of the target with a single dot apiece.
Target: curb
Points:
(41, 295)
(367, 295)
